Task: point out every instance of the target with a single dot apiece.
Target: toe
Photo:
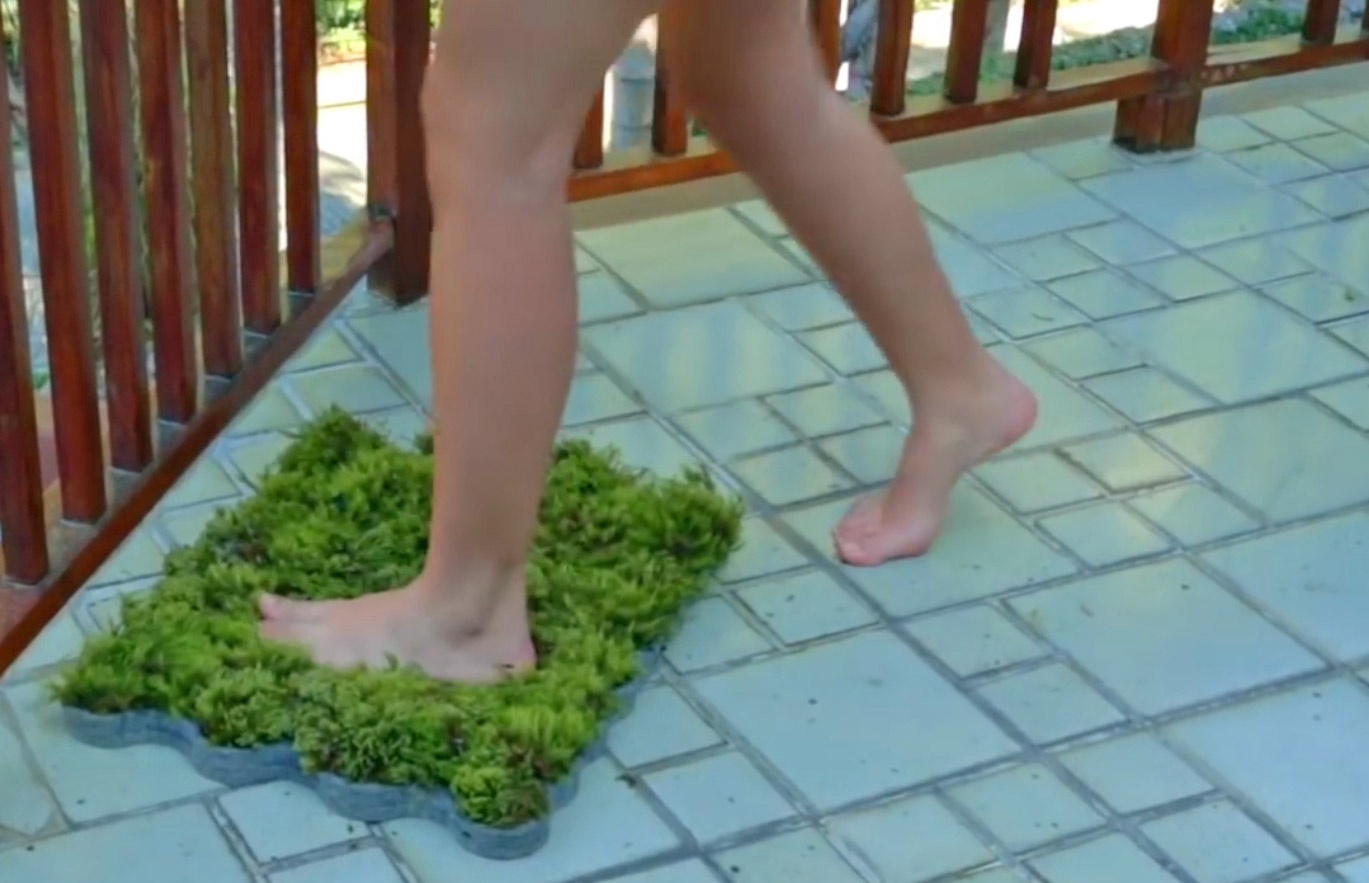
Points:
(281, 630)
(274, 607)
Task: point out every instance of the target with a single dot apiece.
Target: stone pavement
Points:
(1137, 656)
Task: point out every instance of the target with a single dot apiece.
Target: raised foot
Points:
(903, 520)
(406, 627)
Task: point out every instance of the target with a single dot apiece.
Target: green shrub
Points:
(617, 556)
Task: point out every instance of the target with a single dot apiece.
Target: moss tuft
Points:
(617, 556)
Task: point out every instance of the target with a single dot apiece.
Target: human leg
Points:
(503, 102)
(751, 72)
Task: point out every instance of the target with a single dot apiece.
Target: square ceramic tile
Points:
(399, 339)
(916, 839)
(969, 269)
(1105, 293)
(1346, 111)
(791, 475)
(1355, 871)
(982, 551)
(1164, 636)
(974, 640)
(825, 410)
(1289, 123)
(693, 871)
(1194, 514)
(1134, 773)
(59, 641)
(1122, 242)
(1051, 257)
(690, 258)
(1356, 334)
(608, 825)
(1318, 298)
(759, 213)
(1336, 248)
(1082, 353)
(1145, 395)
(281, 819)
(90, 783)
(1086, 158)
(1112, 858)
(796, 857)
(1277, 163)
(763, 551)
(1311, 578)
(1050, 703)
(1217, 843)
(800, 710)
(353, 388)
(1338, 150)
(365, 866)
(1227, 133)
(1105, 534)
(871, 455)
(1307, 771)
(1236, 347)
(171, 846)
(1005, 198)
(1123, 462)
(805, 606)
(847, 348)
(603, 297)
(1036, 482)
(996, 875)
(205, 481)
(1336, 196)
(660, 725)
(736, 429)
(270, 410)
(1063, 412)
(814, 305)
(703, 355)
(712, 633)
(1349, 399)
(139, 556)
(718, 796)
(1286, 459)
(402, 426)
(643, 444)
(1183, 277)
(1027, 312)
(1258, 261)
(325, 348)
(1176, 201)
(1026, 807)
(26, 806)
(595, 397)
(255, 457)
(887, 391)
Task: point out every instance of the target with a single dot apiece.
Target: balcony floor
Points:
(1138, 655)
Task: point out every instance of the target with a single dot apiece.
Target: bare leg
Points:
(503, 103)
(751, 72)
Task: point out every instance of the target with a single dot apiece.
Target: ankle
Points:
(468, 602)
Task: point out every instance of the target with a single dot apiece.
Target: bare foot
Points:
(902, 520)
(406, 626)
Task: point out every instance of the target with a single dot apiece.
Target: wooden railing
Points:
(185, 209)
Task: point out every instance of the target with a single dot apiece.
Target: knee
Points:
(476, 144)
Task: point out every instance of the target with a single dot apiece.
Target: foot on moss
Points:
(414, 626)
(902, 520)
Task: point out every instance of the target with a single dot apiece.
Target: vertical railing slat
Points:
(1169, 120)
(1038, 38)
(118, 240)
(826, 19)
(893, 44)
(211, 126)
(411, 34)
(23, 526)
(589, 149)
(965, 54)
(254, 39)
(299, 99)
(1320, 23)
(49, 73)
(162, 112)
(669, 118)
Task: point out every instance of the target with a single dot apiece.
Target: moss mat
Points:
(618, 554)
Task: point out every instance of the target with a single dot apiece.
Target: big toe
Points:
(858, 531)
(274, 607)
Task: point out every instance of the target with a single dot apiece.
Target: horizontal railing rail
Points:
(173, 114)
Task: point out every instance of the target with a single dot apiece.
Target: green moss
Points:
(617, 556)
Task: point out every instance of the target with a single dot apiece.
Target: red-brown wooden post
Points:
(965, 54)
(669, 117)
(118, 239)
(213, 179)
(1320, 23)
(589, 149)
(1034, 50)
(49, 74)
(893, 44)
(826, 19)
(299, 100)
(1169, 120)
(22, 524)
(254, 26)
